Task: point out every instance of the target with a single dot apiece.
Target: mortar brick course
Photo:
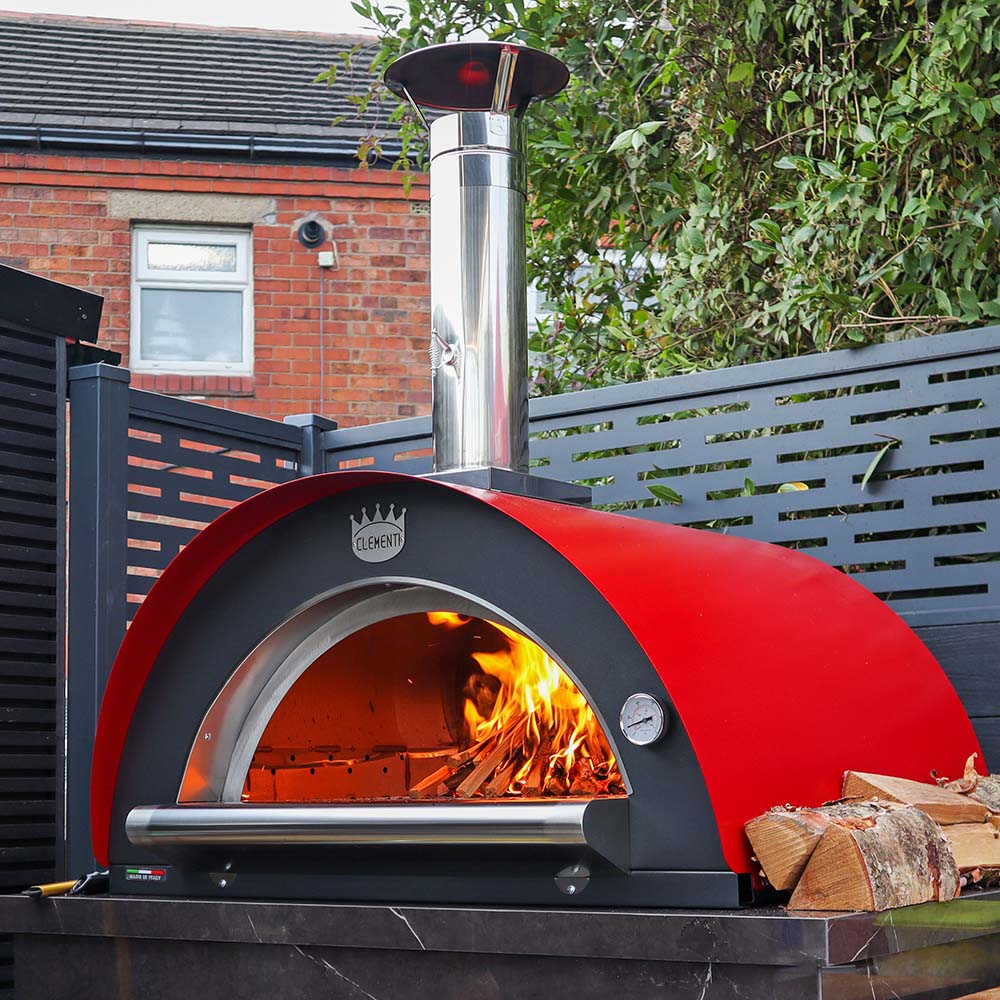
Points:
(55, 221)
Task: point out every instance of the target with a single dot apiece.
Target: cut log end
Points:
(783, 841)
(897, 859)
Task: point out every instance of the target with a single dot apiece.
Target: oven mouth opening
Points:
(432, 706)
(393, 716)
(401, 691)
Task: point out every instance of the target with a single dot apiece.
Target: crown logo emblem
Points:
(377, 539)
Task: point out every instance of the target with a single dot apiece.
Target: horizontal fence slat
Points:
(34, 809)
(33, 784)
(11, 831)
(44, 421)
(21, 878)
(26, 761)
(15, 367)
(173, 483)
(25, 346)
(216, 423)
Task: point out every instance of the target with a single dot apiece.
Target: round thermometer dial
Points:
(642, 719)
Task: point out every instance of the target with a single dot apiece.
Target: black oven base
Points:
(675, 889)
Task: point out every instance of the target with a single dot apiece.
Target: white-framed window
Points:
(192, 301)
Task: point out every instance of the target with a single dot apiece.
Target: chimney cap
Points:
(460, 76)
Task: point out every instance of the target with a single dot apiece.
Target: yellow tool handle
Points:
(49, 889)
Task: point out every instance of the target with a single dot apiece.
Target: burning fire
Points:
(523, 708)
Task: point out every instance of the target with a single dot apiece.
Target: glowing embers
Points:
(434, 706)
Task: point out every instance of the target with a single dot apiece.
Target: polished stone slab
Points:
(242, 949)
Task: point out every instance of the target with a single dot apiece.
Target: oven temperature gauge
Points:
(642, 719)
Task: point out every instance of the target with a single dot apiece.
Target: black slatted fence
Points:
(184, 472)
(32, 411)
(36, 316)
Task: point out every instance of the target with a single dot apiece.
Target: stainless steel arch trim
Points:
(231, 729)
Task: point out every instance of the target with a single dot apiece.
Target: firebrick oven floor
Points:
(163, 949)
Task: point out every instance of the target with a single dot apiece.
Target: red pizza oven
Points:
(278, 696)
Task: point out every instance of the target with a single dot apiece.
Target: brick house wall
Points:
(70, 217)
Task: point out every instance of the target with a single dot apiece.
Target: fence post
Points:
(312, 425)
(98, 512)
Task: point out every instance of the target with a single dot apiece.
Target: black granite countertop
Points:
(762, 936)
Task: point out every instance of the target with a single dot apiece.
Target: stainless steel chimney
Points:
(479, 340)
(479, 331)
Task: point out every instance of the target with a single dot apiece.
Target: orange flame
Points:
(536, 693)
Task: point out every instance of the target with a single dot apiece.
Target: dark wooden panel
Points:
(33, 809)
(6, 968)
(29, 739)
(27, 762)
(32, 784)
(15, 832)
(22, 670)
(968, 655)
(16, 878)
(988, 731)
(32, 495)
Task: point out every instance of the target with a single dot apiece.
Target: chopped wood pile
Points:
(887, 842)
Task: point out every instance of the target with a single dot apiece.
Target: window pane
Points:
(190, 257)
(191, 326)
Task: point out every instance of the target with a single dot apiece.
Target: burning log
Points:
(500, 782)
(488, 762)
(582, 780)
(556, 781)
(432, 785)
(454, 780)
(535, 780)
(482, 690)
(470, 753)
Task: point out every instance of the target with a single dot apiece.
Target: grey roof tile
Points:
(120, 74)
(18, 118)
(91, 121)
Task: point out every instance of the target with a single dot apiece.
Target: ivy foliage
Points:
(775, 177)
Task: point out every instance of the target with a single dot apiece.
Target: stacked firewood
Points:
(887, 842)
(502, 765)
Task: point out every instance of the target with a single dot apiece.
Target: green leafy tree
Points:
(775, 177)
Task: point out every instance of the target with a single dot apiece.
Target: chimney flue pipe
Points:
(479, 336)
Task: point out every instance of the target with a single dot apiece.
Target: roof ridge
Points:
(140, 26)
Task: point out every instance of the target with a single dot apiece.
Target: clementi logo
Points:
(377, 539)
